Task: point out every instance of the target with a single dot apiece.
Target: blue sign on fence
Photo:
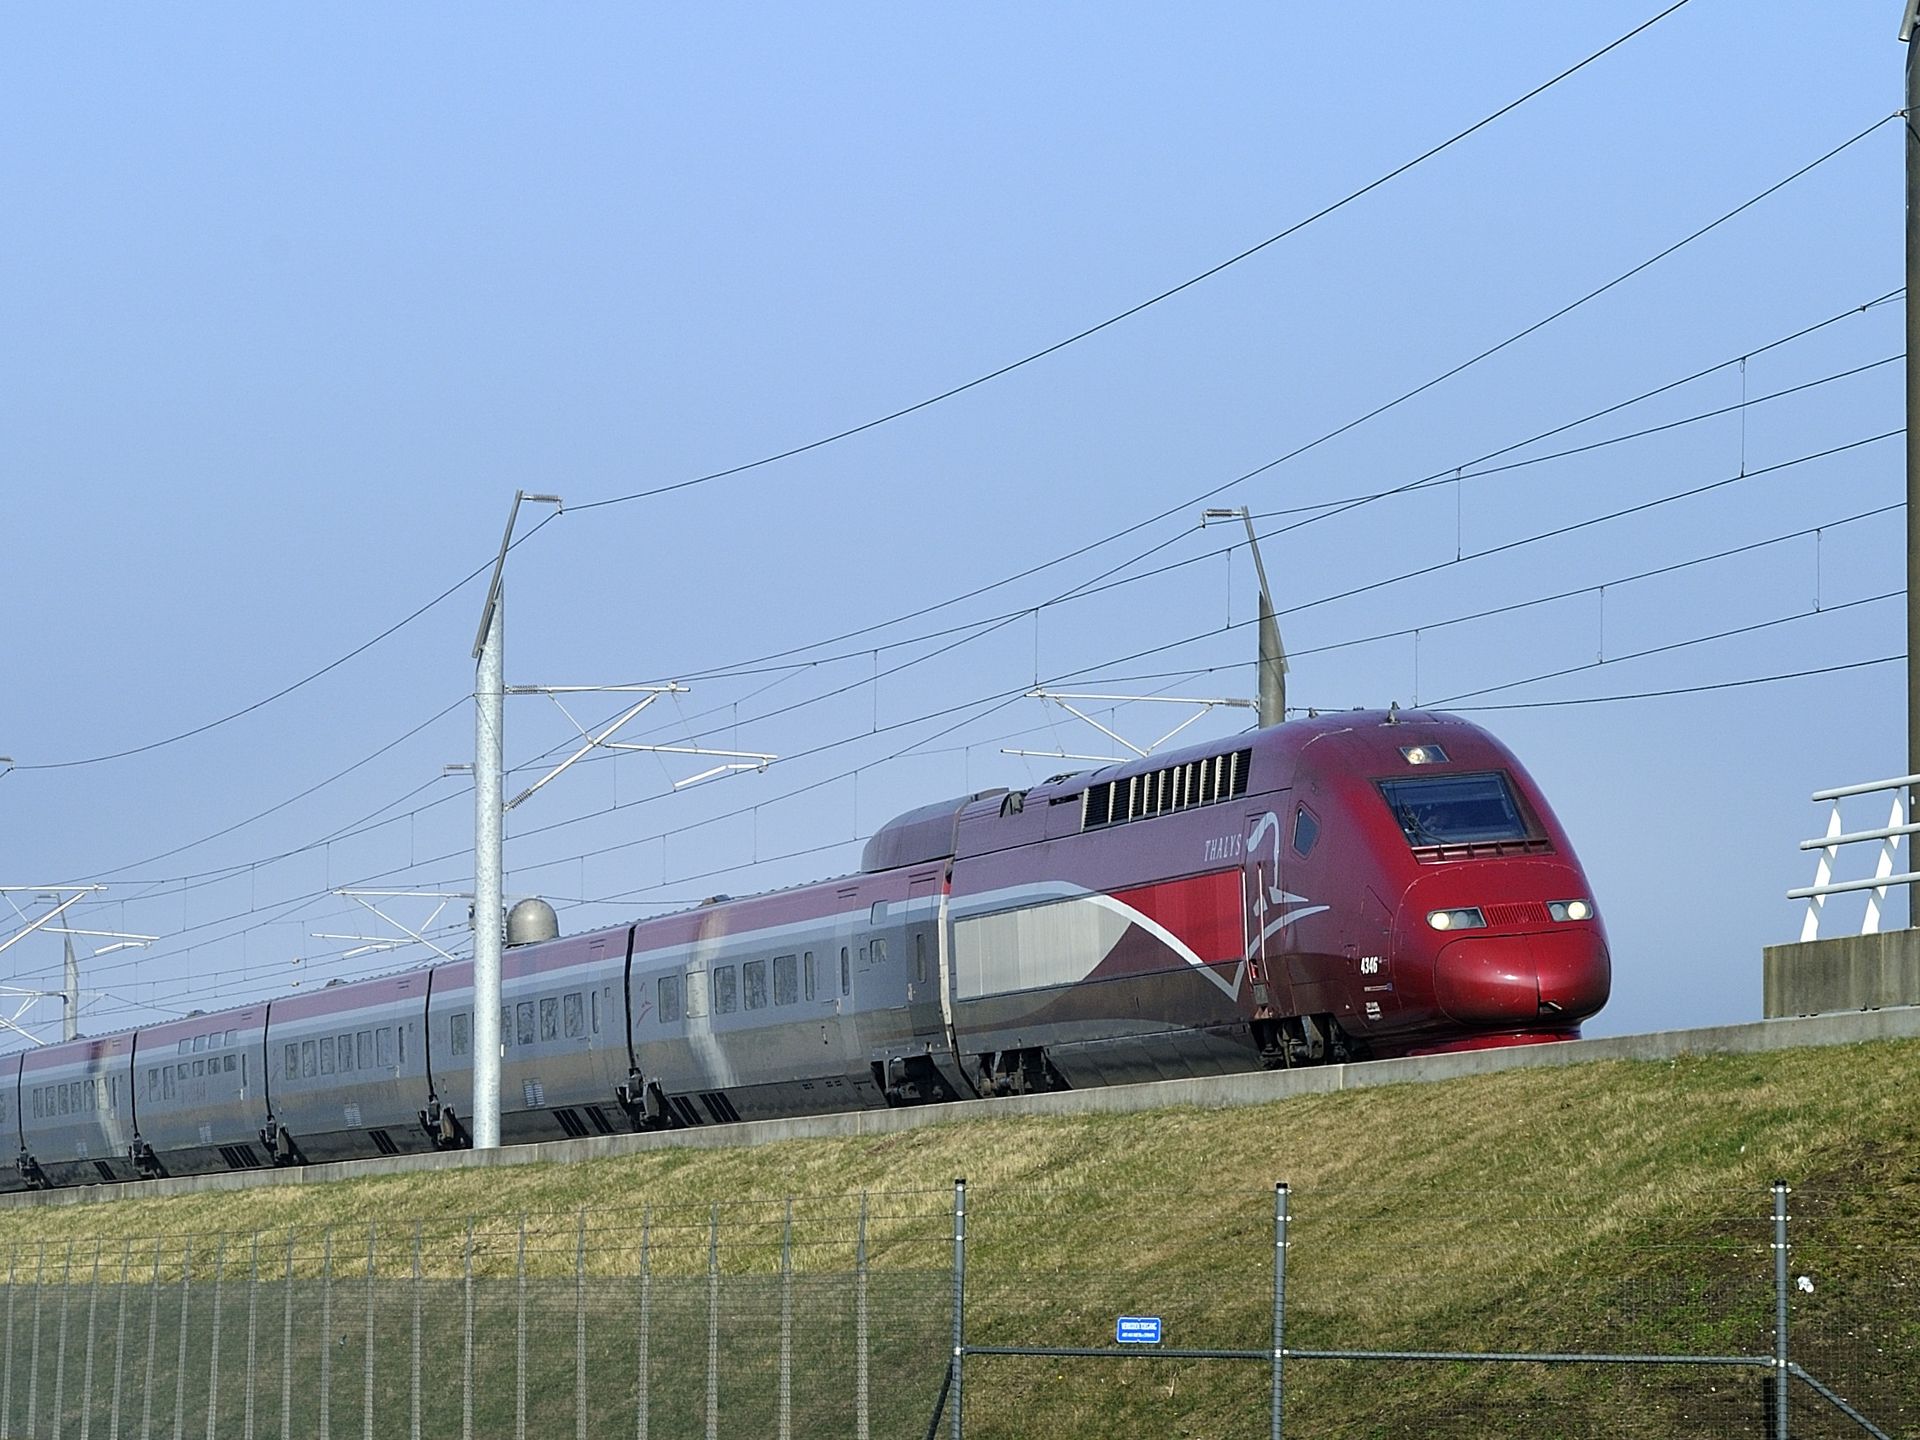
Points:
(1137, 1330)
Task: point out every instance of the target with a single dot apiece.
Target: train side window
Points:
(549, 1018)
(846, 972)
(920, 956)
(786, 980)
(233, 1037)
(506, 1026)
(384, 1035)
(153, 1084)
(1306, 830)
(573, 1015)
(166, 1083)
(400, 1034)
(879, 951)
(293, 1061)
(230, 1064)
(199, 1043)
(669, 1003)
(754, 976)
(806, 976)
(363, 1049)
(523, 1023)
(459, 1037)
(309, 1059)
(346, 1052)
(326, 1054)
(39, 1106)
(726, 989)
(593, 997)
(66, 1103)
(184, 1047)
(199, 1068)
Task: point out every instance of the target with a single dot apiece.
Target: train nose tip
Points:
(1515, 978)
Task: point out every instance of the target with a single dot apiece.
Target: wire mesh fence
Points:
(1344, 1312)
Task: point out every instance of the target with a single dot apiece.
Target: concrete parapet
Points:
(1848, 972)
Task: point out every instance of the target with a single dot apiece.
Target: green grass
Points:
(1617, 1207)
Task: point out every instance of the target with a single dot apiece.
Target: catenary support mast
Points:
(1912, 151)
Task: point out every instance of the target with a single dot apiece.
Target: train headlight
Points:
(1466, 918)
(1571, 909)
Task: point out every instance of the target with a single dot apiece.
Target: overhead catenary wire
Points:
(1167, 294)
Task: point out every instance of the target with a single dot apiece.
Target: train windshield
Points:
(1455, 809)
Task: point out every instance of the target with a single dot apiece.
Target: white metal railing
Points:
(1889, 835)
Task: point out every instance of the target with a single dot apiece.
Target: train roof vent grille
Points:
(1211, 780)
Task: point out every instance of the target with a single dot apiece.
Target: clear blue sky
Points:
(294, 302)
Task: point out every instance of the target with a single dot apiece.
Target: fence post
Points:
(959, 1299)
(286, 1347)
(413, 1385)
(6, 1385)
(326, 1335)
(786, 1324)
(180, 1360)
(1780, 1374)
(466, 1360)
(366, 1372)
(86, 1372)
(153, 1336)
(580, 1328)
(520, 1337)
(642, 1400)
(253, 1337)
(33, 1355)
(60, 1344)
(1277, 1422)
(861, 1417)
(213, 1344)
(119, 1337)
(713, 1322)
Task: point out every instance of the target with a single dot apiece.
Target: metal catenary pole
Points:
(489, 819)
(6, 1385)
(959, 1300)
(1913, 420)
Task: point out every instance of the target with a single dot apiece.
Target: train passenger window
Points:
(806, 975)
(385, 1036)
(920, 956)
(726, 989)
(200, 1066)
(153, 1084)
(230, 1064)
(309, 1059)
(549, 1018)
(594, 997)
(233, 1037)
(879, 951)
(180, 1074)
(459, 1037)
(754, 974)
(243, 1072)
(573, 1015)
(166, 1083)
(669, 998)
(506, 1026)
(786, 980)
(363, 1050)
(696, 993)
(199, 1043)
(39, 1105)
(345, 1050)
(65, 1103)
(523, 1023)
(293, 1061)
(326, 1055)
(185, 1046)
(846, 972)
(1306, 830)
(401, 1037)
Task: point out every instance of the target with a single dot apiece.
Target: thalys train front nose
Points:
(1519, 948)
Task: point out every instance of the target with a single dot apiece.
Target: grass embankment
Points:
(1612, 1207)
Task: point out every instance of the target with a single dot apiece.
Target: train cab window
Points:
(459, 1035)
(669, 998)
(523, 1023)
(726, 989)
(549, 1018)
(846, 972)
(754, 978)
(1455, 809)
(806, 976)
(1306, 831)
(786, 980)
(573, 1015)
(326, 1054)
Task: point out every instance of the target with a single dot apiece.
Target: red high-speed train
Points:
(1353, 885)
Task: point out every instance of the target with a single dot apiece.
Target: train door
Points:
(1270, 908)
(925, 1000)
